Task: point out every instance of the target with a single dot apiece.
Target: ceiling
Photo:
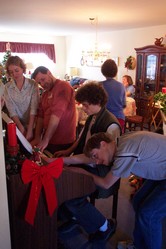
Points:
(66, 17)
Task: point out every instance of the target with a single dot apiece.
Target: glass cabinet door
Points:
(139, 73)
(162, 80)
(150, 70)
(150, 79)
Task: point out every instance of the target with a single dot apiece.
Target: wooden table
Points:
(43, 235)
(163, 117)
(156, 117)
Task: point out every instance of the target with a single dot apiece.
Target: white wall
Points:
(69, 49)
(122, 44)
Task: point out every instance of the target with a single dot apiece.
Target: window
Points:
(33, 54)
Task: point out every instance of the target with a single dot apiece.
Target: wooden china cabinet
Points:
(150, 72)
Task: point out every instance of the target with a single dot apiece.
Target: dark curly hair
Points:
(109, 68)
(17, 61)
(93, 93)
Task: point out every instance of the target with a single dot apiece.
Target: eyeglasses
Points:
(94, 156)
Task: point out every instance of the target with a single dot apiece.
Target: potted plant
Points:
(160, 98)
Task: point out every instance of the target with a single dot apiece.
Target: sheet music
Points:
(21, 137)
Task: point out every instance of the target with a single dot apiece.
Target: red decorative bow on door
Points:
(41, 176)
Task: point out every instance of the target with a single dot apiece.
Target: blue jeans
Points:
(150, 208)
(86, 214)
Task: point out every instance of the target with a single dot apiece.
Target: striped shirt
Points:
(22, 103)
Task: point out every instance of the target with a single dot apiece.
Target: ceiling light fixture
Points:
(94, 57)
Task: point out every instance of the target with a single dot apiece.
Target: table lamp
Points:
(73, 71)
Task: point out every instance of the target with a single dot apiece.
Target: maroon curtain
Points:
(21, 47)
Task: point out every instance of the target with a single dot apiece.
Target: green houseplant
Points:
(160, 98)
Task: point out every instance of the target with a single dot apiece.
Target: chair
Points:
(103, 193)
(143, 117)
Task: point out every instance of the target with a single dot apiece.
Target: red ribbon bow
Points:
(41, 176)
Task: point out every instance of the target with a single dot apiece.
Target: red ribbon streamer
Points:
(41, 176)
